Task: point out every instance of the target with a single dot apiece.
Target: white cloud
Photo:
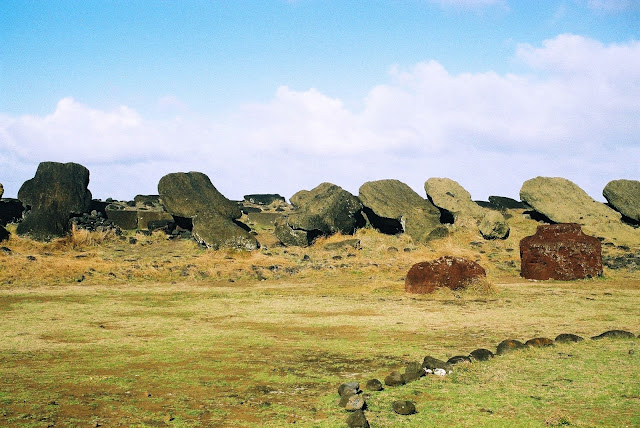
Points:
(574, 114)
(613, 5)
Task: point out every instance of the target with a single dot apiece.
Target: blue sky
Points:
(279, 96)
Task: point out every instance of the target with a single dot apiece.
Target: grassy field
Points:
(98, 331)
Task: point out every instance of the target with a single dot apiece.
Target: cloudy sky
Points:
(275, 96)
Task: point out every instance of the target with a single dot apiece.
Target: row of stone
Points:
(353, 400)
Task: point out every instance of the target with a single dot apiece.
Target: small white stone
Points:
(440, 372)
(428, 371)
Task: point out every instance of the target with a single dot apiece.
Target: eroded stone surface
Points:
(561, 252)
(447, 271)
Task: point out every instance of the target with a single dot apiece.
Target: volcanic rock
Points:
(413, 371)
(357, 419)
(324, 210)
(402, 407)
(447, 271)
(447, 194)
(392, 207)
(431, 363)
(481, 355)
(4, 234)
(353, 402)
(560, 251)
(568, 338)
(394, 378)
(509, 345)
(562, 201)
(1, 190)
(539, 342)
(624, 196)
(192, 195)
(56, 193)
(451, 197)
(503, 202)
(374, 385)
(264, 199)
(10, 211)
(615, 334)
(458, 359)
(349, 388)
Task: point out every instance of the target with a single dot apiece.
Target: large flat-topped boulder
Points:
(57, 192)
(187, 194)
(192, 195)
(445, 272)
(324, 210)
(562, 201)
(624, 196)
(392, 206)
(561, 252)
(450, 196)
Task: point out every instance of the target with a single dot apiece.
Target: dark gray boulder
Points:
(374, 385)
(509, 345)
(403, 407)
(348, 388)
(568, 338)
(505, 203)
(392, 207)
(324, 210)
(458, 359)
(191, 195)
(394, 378)
(10, 211)
(481, 355)
(624, 196)
(431, 363)
(614, 334)
(57, 192)
(357, 419)
(413, 371)
(4, 234)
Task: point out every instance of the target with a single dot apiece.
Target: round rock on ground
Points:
(403, 407)
(450, 272)
(374, 385)
(353, 402)
(539, 342)
(349, 388)
(508, 345)
(357, 419)
(615, 334)
(457, 359)
(394, 378)
(568, 338)
(481, 355)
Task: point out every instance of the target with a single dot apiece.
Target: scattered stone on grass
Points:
(615, 334)
(403, 407)
(458, 359)
(481, 355)
(539, 342)
(450, 272)
(394, 378)
(431, 363)
(354, 402)
(374, 385)
(413, 371)
(508, 345)
(349, 388)
(357, 419)
(568, 338)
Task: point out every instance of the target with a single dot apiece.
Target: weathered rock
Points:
(264, 219)
(624, 196)
(431, 363)
(509, 345)
(4, 234)
(614, 334)
(393, 207)
(481, 355)
(327, 208)
(357, 419)
(1, 190)
(451, 197)
(57, 192)
(148, 200)
(374, 385)
(152, 216)
(568, 338)
(560, 251)
(122, 217)
(264, 199)
(458, 359)
(447, 194)
(447, 271)
(349, 388)
(413, 371)
(562, 201)
(291, 237)
(394, 378)
(353, 402)
(507, 203)
(539, 342)
(493, 225)
(192, 195)
(10, 211)
(403, 407)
